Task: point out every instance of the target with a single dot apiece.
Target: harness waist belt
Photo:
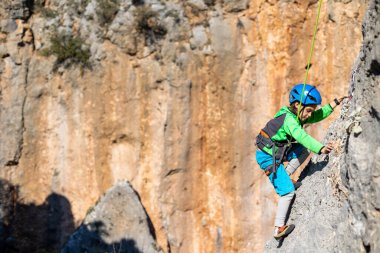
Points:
(264, 134)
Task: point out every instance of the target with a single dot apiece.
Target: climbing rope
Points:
(310, 55)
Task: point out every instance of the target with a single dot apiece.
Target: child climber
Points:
(284, 139)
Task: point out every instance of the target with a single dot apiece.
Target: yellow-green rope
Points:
(310, 55)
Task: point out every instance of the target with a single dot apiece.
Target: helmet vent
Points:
(312, 98)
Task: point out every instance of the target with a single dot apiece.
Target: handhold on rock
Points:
(357, 129)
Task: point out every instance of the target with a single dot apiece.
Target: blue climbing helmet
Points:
(311, 95)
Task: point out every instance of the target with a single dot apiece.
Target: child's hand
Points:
(338, 101)
(326, 149)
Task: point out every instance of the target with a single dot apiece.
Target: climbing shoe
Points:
(283, 231)
(296, 184)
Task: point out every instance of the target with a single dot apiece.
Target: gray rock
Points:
(122, 33)
(8, 25)
(362, 150)
(12, 111)
(19, 9)
(3, 50)
(236, 5)
(158, 7)
(200, 37)
(375, 64)
(199, 4)
(119, 222)
(221, 35)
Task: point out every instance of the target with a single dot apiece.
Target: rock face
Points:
(361, 175)
(118, 223)
(337, 208)
(174, 96)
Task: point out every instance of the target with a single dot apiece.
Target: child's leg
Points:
(283, 186)
(282, 209)
(296, 157)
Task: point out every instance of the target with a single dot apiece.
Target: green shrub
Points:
(48, 13)
(38, 6)
(84, 3)
(80, 5)
(106, 11)
(209, 2)
(149, 24)
(174, 14)
(69, 50)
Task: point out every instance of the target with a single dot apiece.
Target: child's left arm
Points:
(324, 112)
(320, 114)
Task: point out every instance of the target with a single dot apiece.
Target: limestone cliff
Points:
(167, 95)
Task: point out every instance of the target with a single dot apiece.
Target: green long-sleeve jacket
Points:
(291, 128)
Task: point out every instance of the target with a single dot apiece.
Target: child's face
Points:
(307, 111)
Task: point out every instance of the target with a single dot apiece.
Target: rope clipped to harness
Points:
(279, 149)
(274, 148)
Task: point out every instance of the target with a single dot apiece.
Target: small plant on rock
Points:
(149, 24)
(79, 5)
(69, 50)
(106, 11)
(209, 2)
(48, 13)
(174, 14)
(38, 6)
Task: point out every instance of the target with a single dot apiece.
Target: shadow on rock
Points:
(91, 239)
(30, 227)
(49, 227)
(313, 167)
(117, 223)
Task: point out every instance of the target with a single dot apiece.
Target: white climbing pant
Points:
(284, 201)
(282, 209)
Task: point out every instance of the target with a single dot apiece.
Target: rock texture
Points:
(361, 175)
(118, 223)
(337, 208)
(174, 96)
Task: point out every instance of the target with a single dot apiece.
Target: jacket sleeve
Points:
(320, 114)
(294, 129)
